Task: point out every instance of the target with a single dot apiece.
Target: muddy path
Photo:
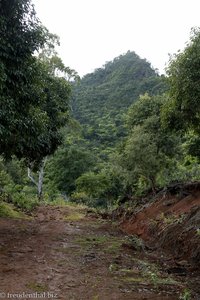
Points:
(62, 253)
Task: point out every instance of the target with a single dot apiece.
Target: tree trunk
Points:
(31, 177)
(39, 184)
(41, 178)
(153, 185)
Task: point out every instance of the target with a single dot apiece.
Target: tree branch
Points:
(31, 177)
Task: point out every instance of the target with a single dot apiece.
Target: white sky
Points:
(95, 31)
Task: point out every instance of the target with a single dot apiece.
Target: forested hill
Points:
(101, 98)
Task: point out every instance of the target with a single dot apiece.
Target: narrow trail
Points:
(61, 253)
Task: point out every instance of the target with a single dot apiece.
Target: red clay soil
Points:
(171, 223)
(61, 253)
(161, 210)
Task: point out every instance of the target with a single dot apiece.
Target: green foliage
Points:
(100, 188)
(21, 35)
(16, 170)
(33, 98)
(24, 202)
(80, 197)
(5, 177)
(148, 146)
(140, 157)
(182, 112)
(8, 211)
(14, 186)
(150, 155)
(192, 145)
(125, 143)
(186, 295)
(92, 184)
(91, 187)
(22, 196)
(100, 102)
(66, 166)
(102, 97)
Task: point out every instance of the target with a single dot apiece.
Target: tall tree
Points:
(148, 145)
(67, 165)
(54, 110)
(34, 90)
(21, 34)
(182, 111)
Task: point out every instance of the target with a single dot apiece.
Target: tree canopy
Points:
(33, 100)
(102, 97)
(183, 110)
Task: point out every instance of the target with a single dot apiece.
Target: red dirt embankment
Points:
(170, 221)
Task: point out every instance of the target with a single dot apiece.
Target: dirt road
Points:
(63, 254)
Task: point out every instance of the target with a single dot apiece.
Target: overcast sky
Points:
(95, 31)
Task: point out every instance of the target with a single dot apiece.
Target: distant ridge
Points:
(101, 97)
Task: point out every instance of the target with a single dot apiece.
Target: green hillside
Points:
(102, 97)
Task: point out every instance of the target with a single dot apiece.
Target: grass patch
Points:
(83, 244)
(148, 273)
(114, 246)
(75, 213)
(142, 273)
(148, 280)
(91, 240)
(7, 210)
(37, 287)
(108, 244)
(74, 216)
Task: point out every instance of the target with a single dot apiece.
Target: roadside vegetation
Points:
(117, 133)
